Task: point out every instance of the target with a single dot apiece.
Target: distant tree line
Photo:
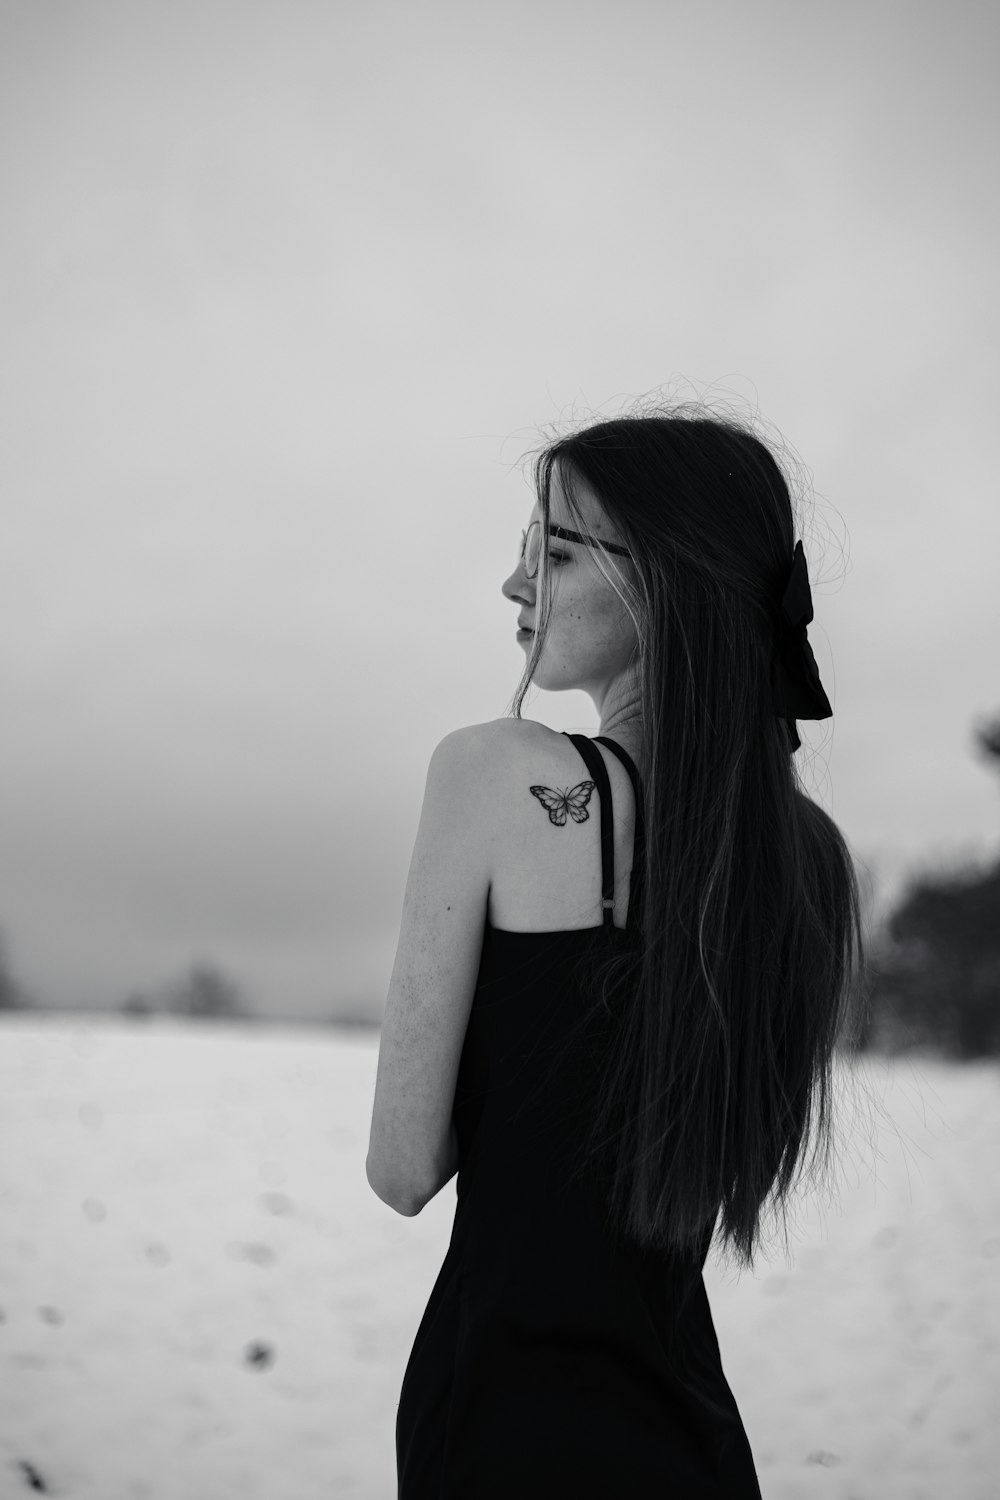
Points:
(202, 991)
(934, 975)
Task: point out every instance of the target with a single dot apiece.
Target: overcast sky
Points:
(287, 291)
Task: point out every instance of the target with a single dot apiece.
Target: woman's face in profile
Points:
(590, 637)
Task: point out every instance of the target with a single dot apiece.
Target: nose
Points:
(517, 580)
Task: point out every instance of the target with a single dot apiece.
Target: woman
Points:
(624, 964)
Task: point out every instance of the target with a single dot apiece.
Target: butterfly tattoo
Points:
(559, 803)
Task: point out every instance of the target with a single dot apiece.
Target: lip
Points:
(528, 629)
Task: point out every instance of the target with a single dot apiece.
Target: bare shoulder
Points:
(504, 744)
(502, 736)
(491, 759)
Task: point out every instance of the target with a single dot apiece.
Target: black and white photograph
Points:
(499, 750)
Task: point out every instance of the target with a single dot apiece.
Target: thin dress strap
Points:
(597, 769)
(639, 840)
(627, 762)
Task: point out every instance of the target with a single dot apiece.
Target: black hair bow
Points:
(795, 686)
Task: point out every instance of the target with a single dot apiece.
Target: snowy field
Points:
(202, 1299)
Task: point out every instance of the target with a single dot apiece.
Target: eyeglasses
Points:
(532, 538)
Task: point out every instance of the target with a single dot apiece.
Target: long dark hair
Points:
(752, 946)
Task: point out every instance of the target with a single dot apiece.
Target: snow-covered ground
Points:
(202, 1299)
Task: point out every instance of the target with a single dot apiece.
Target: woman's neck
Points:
(628, 735)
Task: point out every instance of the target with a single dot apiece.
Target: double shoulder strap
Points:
(596, 767)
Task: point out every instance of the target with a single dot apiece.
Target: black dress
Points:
(551, 1362)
